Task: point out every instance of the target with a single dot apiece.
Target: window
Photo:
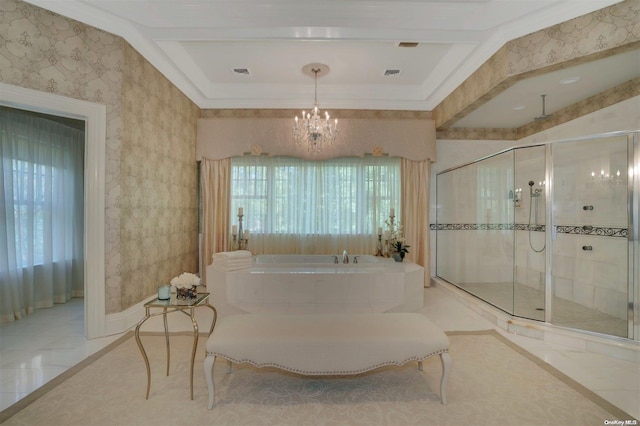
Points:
(42, 226)
(346, 196)
(29, 208)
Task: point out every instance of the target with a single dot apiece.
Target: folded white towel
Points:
(233, 262)
(232, 254)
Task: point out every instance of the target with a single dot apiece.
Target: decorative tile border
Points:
(472, 227)
(560, 229)
(593, 230)
(527, 227)
(486, 227)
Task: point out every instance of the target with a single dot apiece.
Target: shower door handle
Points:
(587, 248)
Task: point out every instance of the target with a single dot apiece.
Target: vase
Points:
(186, 293)
(398, 257)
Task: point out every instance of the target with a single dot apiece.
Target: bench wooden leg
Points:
(229, 364)
(420, 366)
(208, 374)
(446, 370)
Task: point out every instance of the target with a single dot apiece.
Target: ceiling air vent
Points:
(391, 72)
(243, 71)
(408, 44)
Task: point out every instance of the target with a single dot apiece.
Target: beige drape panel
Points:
(216, 198)
(415, 212)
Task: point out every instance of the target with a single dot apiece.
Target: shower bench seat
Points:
(326, 344)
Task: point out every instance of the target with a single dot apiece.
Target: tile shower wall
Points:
(474, 242)
(595, 279)
(150, 217)
(474, 214)
(590, 211)
(529, 216)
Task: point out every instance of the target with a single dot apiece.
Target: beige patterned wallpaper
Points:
(602, 33)
(594, 103)
(158, 180)
(148, 121)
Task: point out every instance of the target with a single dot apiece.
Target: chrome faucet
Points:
(345, 257)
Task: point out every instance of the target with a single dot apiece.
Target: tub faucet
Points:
(345, 257)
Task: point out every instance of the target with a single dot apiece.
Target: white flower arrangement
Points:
(185, 280)
(395, 232)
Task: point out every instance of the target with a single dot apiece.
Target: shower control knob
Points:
(587, 248)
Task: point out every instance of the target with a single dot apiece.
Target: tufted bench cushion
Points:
(326, 344)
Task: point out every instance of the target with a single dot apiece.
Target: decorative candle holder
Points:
(379, 246)
(392, 219)
(164, 292)
(241, 239)
(390, 235)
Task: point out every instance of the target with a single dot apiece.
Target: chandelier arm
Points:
(314, 131)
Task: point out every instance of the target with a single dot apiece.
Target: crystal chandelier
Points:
(314, 130)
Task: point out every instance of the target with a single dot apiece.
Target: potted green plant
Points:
(399, 250)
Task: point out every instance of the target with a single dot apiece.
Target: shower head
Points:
(544, 115)
(531, 183)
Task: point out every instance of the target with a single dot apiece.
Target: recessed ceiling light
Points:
(391, 72)
(243, 71)
(519, 107)
(569, 80)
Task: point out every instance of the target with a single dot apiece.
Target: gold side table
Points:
(187, 307)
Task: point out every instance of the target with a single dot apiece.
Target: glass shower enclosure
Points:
(547, 232)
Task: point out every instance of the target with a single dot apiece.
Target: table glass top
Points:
(174, 302)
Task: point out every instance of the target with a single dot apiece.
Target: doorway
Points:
(94, 116)
(43, 225)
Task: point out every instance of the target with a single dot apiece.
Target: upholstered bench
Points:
(326, 344)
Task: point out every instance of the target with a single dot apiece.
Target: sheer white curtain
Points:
(293, 205)
(41, 215)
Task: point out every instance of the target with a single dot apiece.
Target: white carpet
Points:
(492, 382)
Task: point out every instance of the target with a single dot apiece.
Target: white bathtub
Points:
(313, 259)
(315, 284)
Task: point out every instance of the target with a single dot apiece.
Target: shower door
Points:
(590, 274)
(475, 240)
